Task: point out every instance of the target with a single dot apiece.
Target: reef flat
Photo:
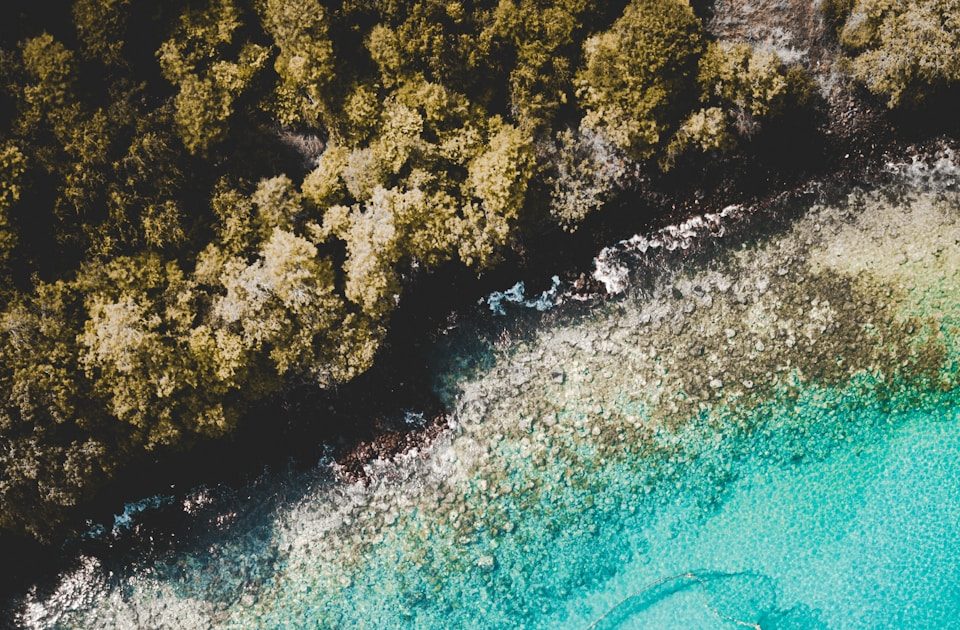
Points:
(760, 434)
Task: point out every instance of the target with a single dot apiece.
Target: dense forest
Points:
(204, 201)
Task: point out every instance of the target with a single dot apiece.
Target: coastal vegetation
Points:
(905, 52)
(203, 202)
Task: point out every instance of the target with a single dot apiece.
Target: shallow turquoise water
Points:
(768, 438)
(867, 537)
(841, 511)
(863, 531)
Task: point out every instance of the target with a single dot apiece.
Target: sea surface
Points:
(760, 430)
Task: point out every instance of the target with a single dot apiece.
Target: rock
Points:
(487, 562)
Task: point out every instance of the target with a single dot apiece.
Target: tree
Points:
(305, 63)
(752, 81)
(497, 183)
(903, 51)
(742, 90)
(53, 450)
(135, 349)
(543, 37)
(437, 180)
(433, 40)
(12, 168)
(588, 171)
(101, 26)
(209, 84)
(637, 76)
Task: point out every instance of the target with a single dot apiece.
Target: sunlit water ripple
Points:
(763, 435)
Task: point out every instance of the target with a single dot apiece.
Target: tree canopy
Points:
(902, 51)
(203, 201)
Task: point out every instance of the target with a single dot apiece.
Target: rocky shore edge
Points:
(855, 140)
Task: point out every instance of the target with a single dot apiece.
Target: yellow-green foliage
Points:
(209, 84)
(79, 151)
(39, 354)
(437, 40)
(637, 74)
(497, 183)
(304, 63)
(172, 260)
(523, 52)
(324, 186)
(162, 224)
(273, 293)
(374, 246)
(754, 81)
(12, 167)
(588, 170)
(142, 204)
(48, 95)
(652, 90)
(438, 180)
(278, 304)
(100, 27)
(134, 350)
(542, 35)
(205, 103)
(742, 88)
(705, 130)
(47, 467)
(201, 37)
(903, 50)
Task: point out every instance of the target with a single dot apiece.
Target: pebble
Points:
(487, 562)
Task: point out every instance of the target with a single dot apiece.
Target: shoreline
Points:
(374, 426)
(505, 396)
(845, 133)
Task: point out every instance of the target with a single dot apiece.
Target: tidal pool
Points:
(763, 433)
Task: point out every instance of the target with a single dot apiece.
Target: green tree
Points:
(53, 449)
(903, 51)
(637, 76)
(435, 40)
(209, 84)
(12, 168)
(496, 189)
(305, 64)
(742, 90)
(543, 36)
(438, 180)
(101, 26)
(135, 349)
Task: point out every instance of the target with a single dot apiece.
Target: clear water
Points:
(765, 436)
(864, 538)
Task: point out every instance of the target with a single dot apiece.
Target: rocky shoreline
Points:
(784, 317)
(383, 429)
(854, 141)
